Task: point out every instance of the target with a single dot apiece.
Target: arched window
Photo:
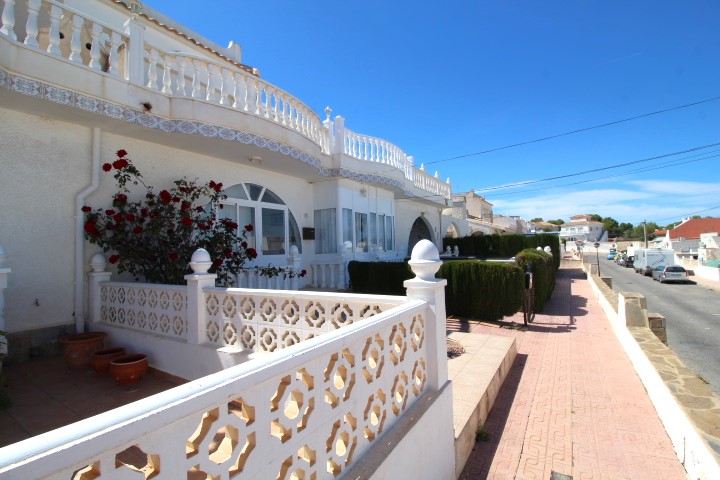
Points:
(274, 226)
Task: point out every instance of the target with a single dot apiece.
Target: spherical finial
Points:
(294, 252)
(200, 261)
(98, 262)
(425, 260)
(548, 249)
(328, 111)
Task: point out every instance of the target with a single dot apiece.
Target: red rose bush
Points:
(154, 238)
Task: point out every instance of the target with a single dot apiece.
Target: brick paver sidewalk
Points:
(572, 403)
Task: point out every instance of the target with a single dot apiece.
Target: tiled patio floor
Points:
(46, 394)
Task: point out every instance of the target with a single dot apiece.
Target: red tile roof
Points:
(694, 227)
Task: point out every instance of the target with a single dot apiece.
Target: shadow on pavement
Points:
(484, 451)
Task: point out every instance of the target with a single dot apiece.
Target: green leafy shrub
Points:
(483, 290)
(544, 271)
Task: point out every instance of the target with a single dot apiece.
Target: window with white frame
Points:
(274, 226)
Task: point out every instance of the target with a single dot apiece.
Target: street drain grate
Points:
(559, 476)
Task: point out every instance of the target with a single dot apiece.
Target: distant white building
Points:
(581, 228)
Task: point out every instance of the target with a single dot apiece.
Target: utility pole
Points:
(645, 232)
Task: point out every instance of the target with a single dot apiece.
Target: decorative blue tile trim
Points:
(55, 94)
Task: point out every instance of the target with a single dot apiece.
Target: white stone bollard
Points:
(425, 262)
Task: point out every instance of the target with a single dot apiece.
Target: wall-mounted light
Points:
(363, 191)
(257, 160)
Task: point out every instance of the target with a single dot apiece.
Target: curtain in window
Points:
(372, 229)
(381, 233)
(389, 237)
(361, 232)
(325, 231)
(347, 226)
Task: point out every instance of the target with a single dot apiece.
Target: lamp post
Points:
(597, 255)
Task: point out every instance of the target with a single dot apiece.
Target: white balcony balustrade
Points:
(122, 51)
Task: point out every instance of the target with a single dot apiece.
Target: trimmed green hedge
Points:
(483, 290)
(380, 278)
(489, 246)
(544, 272)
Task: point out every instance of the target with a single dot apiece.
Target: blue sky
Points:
(448, 79)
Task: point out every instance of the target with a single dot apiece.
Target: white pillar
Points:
(425, 262)
(135, 66)
(95, 277)
(339, 134)
(196, 283)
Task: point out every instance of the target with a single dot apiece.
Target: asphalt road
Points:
(692, 313)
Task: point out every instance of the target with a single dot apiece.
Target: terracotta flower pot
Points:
(101, 359)
(129, 369)
(79, 347)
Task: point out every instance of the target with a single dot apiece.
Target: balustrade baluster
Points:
(31, 26)
(167, 75)
(283, 115)
(76, 40)
(54, 34)
(113, 57)
(95, 47)
(180, 84)
(214, 82)
(291, 114)
(276, 117)
(239, 92)
(266, 102)
(255, 97)
(153, 59)
(196, 86)
(213, 75)
(8, 20)
(378, 150)
(225, 86)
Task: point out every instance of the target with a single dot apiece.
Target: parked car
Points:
(629, 261)
(612, 254)
(673, 273)
(622, 261)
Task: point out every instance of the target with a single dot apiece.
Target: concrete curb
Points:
(696, 456)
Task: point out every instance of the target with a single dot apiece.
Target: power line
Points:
(631, 172)
(571, 132)
(692, 213)
(531, 182)
(647, 169)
